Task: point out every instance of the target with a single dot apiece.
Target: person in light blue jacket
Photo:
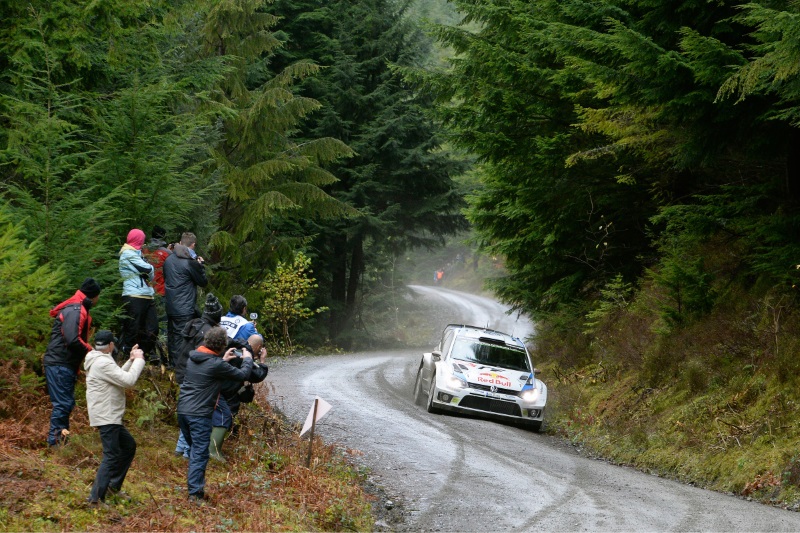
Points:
(140, 324)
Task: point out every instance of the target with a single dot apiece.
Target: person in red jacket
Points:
(69, 344)
(156, 252)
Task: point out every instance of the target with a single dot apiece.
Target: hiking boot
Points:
(198, 499)
(119, 495)
(96, 504)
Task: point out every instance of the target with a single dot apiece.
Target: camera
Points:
(237, 353)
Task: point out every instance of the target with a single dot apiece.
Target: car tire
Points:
(429, 406)
(418, 388)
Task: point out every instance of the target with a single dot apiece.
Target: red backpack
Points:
(156, 258)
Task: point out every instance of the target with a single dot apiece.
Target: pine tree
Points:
(48, 163)
(400, 179)
(268, 174)
(28, 291)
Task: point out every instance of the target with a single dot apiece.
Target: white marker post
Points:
(318, 410)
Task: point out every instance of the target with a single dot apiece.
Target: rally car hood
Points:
(491, 375)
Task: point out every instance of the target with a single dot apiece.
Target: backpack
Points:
(157, 258)
(247, 393)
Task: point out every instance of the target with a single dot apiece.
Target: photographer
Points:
(192, 337)
(184, 271)
(236, 392)
(239, 328)
(105, 400)
(206, 373)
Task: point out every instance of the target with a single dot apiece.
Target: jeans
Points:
(197, 430)
(61, 388)
(118, 451)
(182, 447)
(222, 416)
(140, 326)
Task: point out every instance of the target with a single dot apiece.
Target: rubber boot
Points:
(215, 446)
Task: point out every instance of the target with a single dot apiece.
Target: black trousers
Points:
(141, 325)
(175, 325)
(118, 451)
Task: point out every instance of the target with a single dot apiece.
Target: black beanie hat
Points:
(90, 288)
(158, 232)
(213, 307)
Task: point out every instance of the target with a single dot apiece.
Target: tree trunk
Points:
(338, 286)
(345, 338)
(793, 166)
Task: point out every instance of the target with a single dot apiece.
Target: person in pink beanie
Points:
(140, 324)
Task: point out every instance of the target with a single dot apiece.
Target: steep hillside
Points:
(264, 486)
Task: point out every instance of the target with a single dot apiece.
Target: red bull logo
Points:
(492, 378)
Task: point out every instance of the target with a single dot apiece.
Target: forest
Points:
(639, 174)
(266, 128)
(634, 163)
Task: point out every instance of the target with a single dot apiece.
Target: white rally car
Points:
(481, 371)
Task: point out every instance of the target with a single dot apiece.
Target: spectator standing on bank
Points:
(206, 372)
(105, 400)
(234, 393)
(192, 337)
(156, 252)
(238, 327)
(184, 271)
(140, 325)
(69, 344)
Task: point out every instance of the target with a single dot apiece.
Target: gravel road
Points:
(455, 473)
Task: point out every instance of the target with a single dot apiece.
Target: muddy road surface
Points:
(457, 473)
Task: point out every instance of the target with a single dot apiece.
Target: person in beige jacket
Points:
(105, 399)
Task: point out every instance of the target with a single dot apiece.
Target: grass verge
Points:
(264, 485)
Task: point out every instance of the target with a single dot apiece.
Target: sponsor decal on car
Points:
(493, 378)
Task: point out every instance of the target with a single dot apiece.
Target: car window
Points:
(476, 351)
(448, 340)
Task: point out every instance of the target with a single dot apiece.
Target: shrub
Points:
(27, 294)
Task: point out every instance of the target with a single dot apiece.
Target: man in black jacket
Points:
(192, 338)
(184, 271)
(228, 405)
(69, 344)
(206, 373)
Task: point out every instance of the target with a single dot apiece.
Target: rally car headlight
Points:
(530, 395)
(456, 383)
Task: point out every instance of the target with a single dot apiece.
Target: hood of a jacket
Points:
(92, 357)
(209, 319)
(182, 251)
(77, 298)
(126, 247)
(199, 356)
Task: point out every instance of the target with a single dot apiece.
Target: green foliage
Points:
(286, 294)
(597, 122)
(47, 163)
(615, 296)
(268, 175)
(398, 183)
(149, 406)
(28, 291)
(775, 64)
(688, 289)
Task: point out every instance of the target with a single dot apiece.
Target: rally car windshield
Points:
(475, 351)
